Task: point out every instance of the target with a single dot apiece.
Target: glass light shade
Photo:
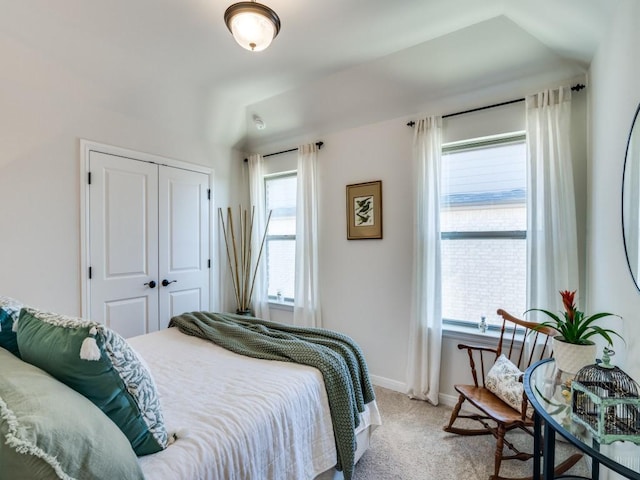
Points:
(252, 24)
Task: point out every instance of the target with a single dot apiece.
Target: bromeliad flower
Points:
(569, 303)
(574, 327)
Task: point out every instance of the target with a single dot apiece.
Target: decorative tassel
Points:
(89, 349)
(14, 328)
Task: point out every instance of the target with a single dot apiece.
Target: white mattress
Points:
(237, 417)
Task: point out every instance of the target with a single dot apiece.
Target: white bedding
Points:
(237, 417)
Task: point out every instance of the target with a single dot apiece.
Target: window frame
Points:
(273, 299)
(476, 144)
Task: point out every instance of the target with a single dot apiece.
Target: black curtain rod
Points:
(575, 88)
(318, 144)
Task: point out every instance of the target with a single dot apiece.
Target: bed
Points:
(227, 416)
(238, 417)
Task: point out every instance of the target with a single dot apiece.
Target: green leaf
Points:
(556, 319)
(604, 333)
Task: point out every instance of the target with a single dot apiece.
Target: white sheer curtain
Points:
(306, 308)
(260, 300)
(426, 318)
(552, 256)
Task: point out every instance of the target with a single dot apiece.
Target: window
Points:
(280, 243)
(483, 224)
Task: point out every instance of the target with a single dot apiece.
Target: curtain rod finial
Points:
(411, 124)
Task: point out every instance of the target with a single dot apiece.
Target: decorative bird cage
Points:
(606, 401)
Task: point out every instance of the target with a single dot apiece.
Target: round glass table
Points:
(547, 389)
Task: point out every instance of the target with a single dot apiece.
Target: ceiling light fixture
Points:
(252, 24)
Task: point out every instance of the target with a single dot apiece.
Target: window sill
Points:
(288, 307)
(471, 335)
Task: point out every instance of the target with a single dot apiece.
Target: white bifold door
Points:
(148, 243)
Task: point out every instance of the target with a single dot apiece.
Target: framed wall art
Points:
(364, 210)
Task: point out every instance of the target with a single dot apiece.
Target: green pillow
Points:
(48, 431)
(98, 363)
(9, 311)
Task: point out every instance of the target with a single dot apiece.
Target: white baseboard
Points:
(394, 385)
(448, 400)
(445, 399)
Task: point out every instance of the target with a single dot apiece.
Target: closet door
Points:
(123, 244)
(148, 243)
(183, 242)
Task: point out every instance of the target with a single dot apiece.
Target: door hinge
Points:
(89, 177)
(208, 194)
(209, 263)
(90, 273)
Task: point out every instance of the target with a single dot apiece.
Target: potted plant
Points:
(573, 347)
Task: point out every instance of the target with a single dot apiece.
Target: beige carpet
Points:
(411, 445)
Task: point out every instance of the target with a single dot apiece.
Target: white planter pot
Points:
(571, 357)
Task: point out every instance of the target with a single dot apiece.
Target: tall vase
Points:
(571, 357)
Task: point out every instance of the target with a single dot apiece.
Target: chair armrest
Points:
(477, 348)
(477, 351)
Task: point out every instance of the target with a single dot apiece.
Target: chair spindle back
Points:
(522, 342)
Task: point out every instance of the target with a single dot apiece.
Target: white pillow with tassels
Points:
(503, 380)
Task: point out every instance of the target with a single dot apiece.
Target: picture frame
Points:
(364, 210)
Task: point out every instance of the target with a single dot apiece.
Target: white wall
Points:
(366, 284)
(44, 112)
(614, 97)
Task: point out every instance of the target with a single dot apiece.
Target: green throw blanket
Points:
(338, 358)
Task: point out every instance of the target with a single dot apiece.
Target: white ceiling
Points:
(335, 63)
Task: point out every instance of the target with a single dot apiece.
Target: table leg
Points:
(537, 434)
(595, 464)
(548, 452)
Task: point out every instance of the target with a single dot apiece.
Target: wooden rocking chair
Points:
(496, 416)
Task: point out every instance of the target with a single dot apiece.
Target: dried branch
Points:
(243, 273)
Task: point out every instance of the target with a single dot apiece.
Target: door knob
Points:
(151, 284)
(166, 282)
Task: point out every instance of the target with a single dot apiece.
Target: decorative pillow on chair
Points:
(9, 312)
(98, 363)
(48, 431)
(503, 381)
